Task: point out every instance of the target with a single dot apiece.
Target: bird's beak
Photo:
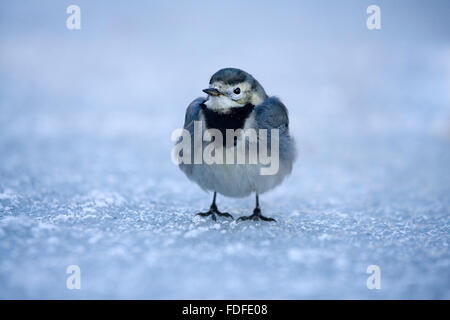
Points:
(211, 91)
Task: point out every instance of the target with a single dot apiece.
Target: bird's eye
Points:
(237, 90)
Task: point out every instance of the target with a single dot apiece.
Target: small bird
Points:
(236, 100)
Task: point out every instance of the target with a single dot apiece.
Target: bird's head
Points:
(233, 88)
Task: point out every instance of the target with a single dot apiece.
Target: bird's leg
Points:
(213, 211)
(256, 214)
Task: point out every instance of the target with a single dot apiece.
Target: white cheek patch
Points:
(222, 103)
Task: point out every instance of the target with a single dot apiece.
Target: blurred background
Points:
(86, 177)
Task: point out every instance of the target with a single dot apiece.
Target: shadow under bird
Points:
(236, 100)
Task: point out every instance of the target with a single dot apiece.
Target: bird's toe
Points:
(225, 214)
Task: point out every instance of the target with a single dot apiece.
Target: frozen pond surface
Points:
(128, 221)
(86, 177)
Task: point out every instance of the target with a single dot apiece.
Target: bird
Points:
(236, 100)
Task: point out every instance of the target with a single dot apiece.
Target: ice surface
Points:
(86, 177)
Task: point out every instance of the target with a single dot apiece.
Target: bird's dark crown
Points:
(232, 76)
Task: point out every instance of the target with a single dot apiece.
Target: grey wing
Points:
(272, 114)
(193, 112)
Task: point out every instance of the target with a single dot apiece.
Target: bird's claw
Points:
(206, 214)
(213, 212)
(256, 216)
(225, 214)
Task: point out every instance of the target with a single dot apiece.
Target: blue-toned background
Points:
(85, 171)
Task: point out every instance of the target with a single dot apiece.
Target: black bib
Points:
(234, 119)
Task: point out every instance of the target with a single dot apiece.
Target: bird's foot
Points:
(256, 216)
(213, 212)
